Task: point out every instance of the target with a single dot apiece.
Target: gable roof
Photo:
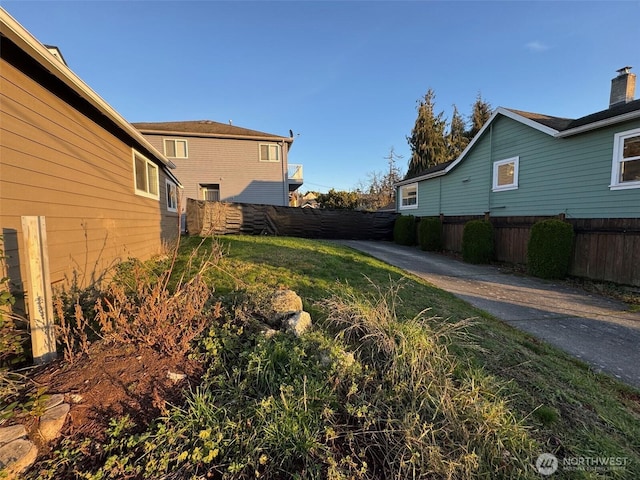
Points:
(207, 128)
(557, 127)
(11, 30)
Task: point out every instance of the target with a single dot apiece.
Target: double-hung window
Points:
(409, 196)
(172, 196)
(146, 176)
(175, 148)
(269, 152)
(505, 174)
(625, 170)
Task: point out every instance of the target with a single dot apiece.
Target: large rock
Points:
(16, 457)
(52, 421)
(298, 323)
(14, 432)
(282, 304)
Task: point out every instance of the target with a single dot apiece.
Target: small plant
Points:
(430, 234)
(477, 242)
(404, 230)
(549, 249)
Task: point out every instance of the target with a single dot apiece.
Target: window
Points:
(172, 196)
(625, 171)
(210, 192)
(409, 196)
(505, 174)
(146, 176)
(174, 148)
(269, 152)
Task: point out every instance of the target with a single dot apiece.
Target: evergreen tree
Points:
(479, 116)
(427, 140)
(457, 138)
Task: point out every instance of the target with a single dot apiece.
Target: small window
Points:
(625, 171)
(269, 152)
(172, 197)
(146, 176)
(210, 192)
(409, 196)
(505, 174)
(174, 148)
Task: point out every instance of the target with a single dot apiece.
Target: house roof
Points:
(554, 126)
(207, 128)
(23, 39)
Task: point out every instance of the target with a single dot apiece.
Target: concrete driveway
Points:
(600, 331)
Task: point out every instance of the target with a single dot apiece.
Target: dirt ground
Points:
(113, 381)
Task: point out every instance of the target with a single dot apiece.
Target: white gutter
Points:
(15, 32)
(175, 133)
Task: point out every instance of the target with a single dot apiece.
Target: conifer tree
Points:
(457, 138)
(479, 116)
(427, 140)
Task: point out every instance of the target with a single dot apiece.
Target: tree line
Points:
(432, 143)
(434, 140)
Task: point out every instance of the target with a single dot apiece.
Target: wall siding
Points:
(58, 163)
(557, 175)
(234, 165)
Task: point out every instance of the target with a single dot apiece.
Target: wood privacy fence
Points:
(606, 249)
(217, 218)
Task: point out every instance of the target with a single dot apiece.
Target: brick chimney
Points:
(623, 87)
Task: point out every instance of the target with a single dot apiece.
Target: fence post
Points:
(41, 325)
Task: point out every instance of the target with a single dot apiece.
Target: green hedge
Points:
(549, 249)
(477, 241)
(404, 230)
(430, 234)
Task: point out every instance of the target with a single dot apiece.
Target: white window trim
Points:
(168, 185)
(516, 168)
(174, 140)
(144, 193)
(278, 147)
(618, 142)
(408, 207)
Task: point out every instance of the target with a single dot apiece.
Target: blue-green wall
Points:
(557, 175)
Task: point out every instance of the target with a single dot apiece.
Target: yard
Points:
(396, 379)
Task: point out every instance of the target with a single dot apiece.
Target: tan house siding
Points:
(59, 162)
(233, 164)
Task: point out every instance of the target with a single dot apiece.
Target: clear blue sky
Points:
(345, 76)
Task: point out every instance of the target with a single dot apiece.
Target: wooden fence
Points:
(207, 218)
(605, 249)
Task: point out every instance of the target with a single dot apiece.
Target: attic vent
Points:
(623, 87)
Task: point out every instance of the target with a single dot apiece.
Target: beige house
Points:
(106, 193)
(222, 162)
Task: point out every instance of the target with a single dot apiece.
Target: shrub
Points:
(430, 234)
(477, 241)
(404, 230)
(549, 249)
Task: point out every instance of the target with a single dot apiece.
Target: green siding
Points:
(556, 175)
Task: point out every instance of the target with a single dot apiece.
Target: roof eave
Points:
(602, 123)
(11, 29)
(175, 133)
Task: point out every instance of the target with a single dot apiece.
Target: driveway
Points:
(600, 331)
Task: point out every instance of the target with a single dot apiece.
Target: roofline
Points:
(175, 133)
(498, 111)
(602, 123)
(15, 32)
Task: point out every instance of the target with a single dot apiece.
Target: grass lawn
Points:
(397, 379)
(570, 410)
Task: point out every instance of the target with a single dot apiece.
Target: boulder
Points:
(298, 323)
(52, 421)
(16, 457)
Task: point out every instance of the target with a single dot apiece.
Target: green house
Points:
(528, 164)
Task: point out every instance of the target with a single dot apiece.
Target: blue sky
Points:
(345, 76)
